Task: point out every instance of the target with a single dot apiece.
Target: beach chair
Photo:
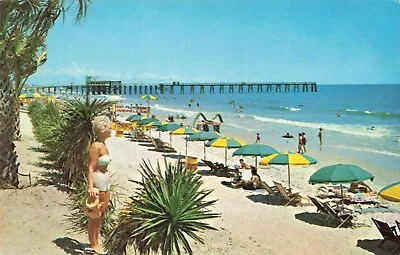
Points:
(388, 233)
(271, 190)
(318, 204)
(292, 198)
(139, 136)
(161, 146)
(218, 169)
(342, 217)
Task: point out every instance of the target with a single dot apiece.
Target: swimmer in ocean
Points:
(338, 115)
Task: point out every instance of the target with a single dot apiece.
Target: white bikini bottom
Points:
(101, 180)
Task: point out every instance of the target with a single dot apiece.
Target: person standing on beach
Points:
(320, 136)
(300, 144)
(304, 142)
(98, 179)
(258, 139)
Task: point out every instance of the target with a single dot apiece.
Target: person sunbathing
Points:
(253, 183)
(359, 187)
(243, 164)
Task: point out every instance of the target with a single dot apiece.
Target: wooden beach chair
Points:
(161, 146)
(218, 169)
(292, 198)
(318, 204)
(342, 217)
(388, 233)
(271, 190)
(139, 136)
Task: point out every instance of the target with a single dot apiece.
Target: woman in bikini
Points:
(99, 178)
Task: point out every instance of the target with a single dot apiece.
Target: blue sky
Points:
(148, 41)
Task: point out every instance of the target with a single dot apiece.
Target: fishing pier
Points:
(116, 87)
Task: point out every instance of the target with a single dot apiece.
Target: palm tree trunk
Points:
(8, 155)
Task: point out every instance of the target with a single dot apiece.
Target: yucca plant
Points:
(79, 219)
(168, 207)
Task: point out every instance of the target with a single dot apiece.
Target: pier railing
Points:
(176, 87)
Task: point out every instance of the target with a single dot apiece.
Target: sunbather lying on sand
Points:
(253, 183)
(359, 187)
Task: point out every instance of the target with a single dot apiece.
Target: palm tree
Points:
(24, 26)
(166, 209)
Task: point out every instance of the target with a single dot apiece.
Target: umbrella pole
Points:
(170, 139)
(159, 134)
(148, 107)
(204, 144)
(226, 155)
(341, 192)
(256, 162)
(186, 147)
(288, 168)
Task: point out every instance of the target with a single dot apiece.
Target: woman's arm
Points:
(93, 156)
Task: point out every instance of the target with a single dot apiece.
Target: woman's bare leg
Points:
(92, 231)
(104, 197)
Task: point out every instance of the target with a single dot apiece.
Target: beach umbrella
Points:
(146, 121)
(168, 127)
(136, 117)
(148, 98)
(156, 124)
(289, 159)
(227, 143)
(339, 174)
(256, 150)
(184, 131)
(391, 192)
(203, 136)
(114, 99)
(29, 95)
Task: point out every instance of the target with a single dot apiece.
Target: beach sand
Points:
(32, 220)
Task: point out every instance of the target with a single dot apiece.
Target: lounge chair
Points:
(218, 169)
(343, 217)
(318, 204)
(161, 146)
(271, 190)
(139, 136)
(292, 198)
(388, 233)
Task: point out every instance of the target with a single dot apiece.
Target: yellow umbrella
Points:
(29, 95)
(289, 159)
(227, 143)
(391, 192)
(184, 131)
(148, 98)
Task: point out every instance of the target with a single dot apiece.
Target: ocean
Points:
(368, 128)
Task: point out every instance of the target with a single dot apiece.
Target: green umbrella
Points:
(256, 150)
(168, 127)
(136, 117)
(227, 143)
(203, 136)
(339, 174)
(146, 121)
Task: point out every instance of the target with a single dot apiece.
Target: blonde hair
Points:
(99, 124)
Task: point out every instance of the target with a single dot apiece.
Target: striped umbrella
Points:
(148, 98)
(227, 143)
(136, 117)
(203, 136)
(289, 159)
(29, 95)
(146, 121)
(391, 192)
(256, 150)
(184, 131)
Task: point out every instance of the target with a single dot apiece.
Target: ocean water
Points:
(273, 114)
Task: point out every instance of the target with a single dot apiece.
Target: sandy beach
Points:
(32, 220)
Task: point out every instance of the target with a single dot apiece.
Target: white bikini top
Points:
(103, 160)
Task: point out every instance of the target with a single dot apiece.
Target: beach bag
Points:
(92, 207)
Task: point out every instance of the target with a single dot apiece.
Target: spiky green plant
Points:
(79, 219)
(167, 208)
(65, 131)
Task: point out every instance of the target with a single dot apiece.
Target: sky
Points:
(152, 41)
